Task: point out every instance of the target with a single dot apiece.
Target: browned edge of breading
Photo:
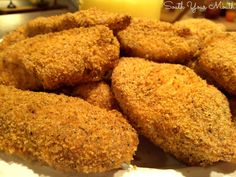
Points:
(82, 18)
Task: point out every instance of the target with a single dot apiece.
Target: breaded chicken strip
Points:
(203, 28)
(83, 18)
(176, 110)
(65, 58)
(13, 37)
(218, 60)
(158, 41)
(66, 133)
(96, 93)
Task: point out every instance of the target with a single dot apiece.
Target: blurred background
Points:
(17, 12)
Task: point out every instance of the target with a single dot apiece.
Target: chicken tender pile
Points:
(162, 79)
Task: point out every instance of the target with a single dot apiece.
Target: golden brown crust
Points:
(194, 65)
(158, 41)
(13, 37)
(176, 109)
(66, 133)
(204, 29)
(96, 93)
(83, 18)
(65, 58)
(218, 60)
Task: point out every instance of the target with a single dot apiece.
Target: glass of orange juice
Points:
(136, 8)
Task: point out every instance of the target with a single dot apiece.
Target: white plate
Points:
(159, 163)
(151, 162)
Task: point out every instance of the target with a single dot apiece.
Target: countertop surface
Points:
(12, 21)
(172, 16)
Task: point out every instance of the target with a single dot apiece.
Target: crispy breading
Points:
(203, 28)
(96, 93)
(83, 18)
(67, 58)
(176, 110)
(64, 132)
(13, 37)
(158, 41)
(15, 76)
(194, 65)
(218, 60)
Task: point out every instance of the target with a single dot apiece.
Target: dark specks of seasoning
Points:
(182, 114)
(66, 133)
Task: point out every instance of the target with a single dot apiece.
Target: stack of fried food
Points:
(75, 88)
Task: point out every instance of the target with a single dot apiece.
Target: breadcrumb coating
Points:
(220, 63)
(158, 41)
(194, 65)
(203, 28)
(96, 93)
(13, 37)
(176, 110)
(65, 58)
(63, 132)
(83, 18)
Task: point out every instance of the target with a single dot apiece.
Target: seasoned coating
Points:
(203, 28)
(11, 78)
(65, 58)
(83, 18)
(96, 93)
(220, 63)
(13, 37)
(194, 65)
(158, 41)
(176, 110)
(63, 132)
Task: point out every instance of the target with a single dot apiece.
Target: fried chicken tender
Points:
(13, 37)
(158, 41)
(96, 93)
(220, 63)
(176, 110)
(83, 18)
(65, 58)
(64, 132)
(203, 28)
